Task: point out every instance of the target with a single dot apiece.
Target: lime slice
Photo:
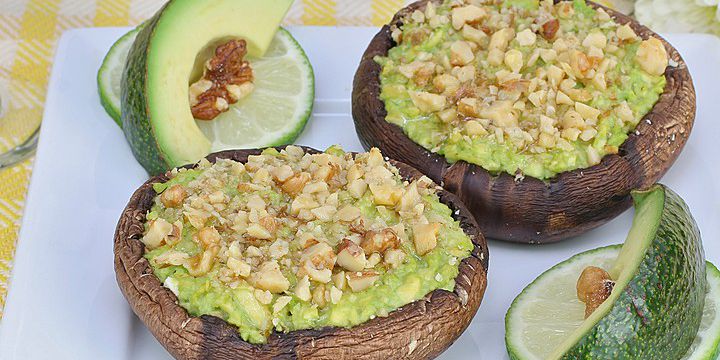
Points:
(273, 114)
(109, 76)
(548, 310)
(276, 111)
(707, 341)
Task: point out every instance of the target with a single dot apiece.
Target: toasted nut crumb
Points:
(550, 28)
(466, 14)
(385, 194)
(500, 39)
(394, 257)
(359, 281)
(263, 296)
(595, 39)
(318, 296)
(295, 183)
(468, 107)
(339, 280)
(351, 256)
(425, 237)
(446, 84)
(348, 213)
(357, 188)
(157, 233)
(526, 38)
(373, 260)
(475, 35)
(320, 255)
(280, 303)
(379, 241)
(302, 289)
(461, 53)
(208, 236)
(239, 267)
(335, 295)
(282, 173)
(269, 277)
(173, 196)
(514, 60)
(652, 56)
(625, 32)
(428, 102)
(587, 112)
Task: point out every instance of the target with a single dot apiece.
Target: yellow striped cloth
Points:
(29, 30)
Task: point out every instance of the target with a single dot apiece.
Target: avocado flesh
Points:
(656, 305)
(156, 112)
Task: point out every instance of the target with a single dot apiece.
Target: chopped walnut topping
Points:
(227, 78)
(297, 229)
(540, 83)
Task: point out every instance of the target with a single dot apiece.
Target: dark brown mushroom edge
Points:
(530, 210)
(420, 330)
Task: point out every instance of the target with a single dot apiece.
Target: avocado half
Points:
(655, 308)
(156, 116)
(530, 210)
(420, 330)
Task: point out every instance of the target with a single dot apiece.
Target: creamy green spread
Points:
(524, 87)
(291, 240)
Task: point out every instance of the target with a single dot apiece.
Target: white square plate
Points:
(64, 302)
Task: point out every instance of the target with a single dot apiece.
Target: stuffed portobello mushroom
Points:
(541, 116)
(291, 252)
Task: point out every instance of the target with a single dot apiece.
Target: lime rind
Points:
(705, 347)
(109, 75)
(707, 342)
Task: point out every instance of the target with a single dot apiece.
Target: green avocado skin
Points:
(658, 314)
(135, 113)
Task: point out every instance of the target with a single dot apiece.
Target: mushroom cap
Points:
(420, 330)
(530, 210)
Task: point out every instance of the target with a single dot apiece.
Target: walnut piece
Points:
(550, 28)
(593, 288)
(227, 78)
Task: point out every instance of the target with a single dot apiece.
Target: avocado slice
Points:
(156, 116)
(655, 308)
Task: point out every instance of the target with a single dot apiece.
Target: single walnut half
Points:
(227, 78)
(593, 288)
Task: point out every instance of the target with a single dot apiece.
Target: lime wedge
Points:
(109, 76)
(276, 111)
(548, 310)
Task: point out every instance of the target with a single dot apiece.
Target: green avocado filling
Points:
(291, 241)
(524, 87)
